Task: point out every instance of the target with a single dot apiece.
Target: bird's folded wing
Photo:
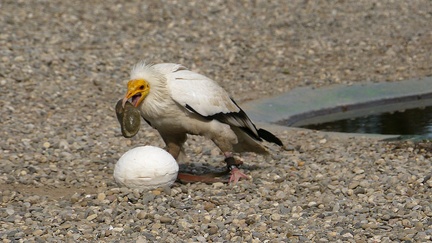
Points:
(204, 95)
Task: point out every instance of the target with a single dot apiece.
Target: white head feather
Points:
(156, 100)
(146, 71)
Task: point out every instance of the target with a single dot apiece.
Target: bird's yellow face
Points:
(137, 90)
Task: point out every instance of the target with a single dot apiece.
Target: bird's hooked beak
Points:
(137, 90)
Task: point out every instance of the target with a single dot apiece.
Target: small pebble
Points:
(91, 217)
(276, 217)
(164, 219)
(46, 145)
(141, 215)
(208, 206)
(212, 230)
(101, 196)
(37, 232)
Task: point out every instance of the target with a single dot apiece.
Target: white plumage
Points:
(176, 102)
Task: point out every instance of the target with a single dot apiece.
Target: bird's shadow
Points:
(205, 168)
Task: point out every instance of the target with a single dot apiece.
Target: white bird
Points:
(177, 102)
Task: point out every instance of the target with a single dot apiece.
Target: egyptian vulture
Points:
(177, 102)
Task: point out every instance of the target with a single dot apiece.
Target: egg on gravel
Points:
(146, 167)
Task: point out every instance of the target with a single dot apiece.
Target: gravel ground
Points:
(64, 65)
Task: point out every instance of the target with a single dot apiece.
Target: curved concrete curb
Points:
(306, 105)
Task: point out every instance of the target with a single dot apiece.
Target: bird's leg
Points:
(174, 144)
(225, 144)
(233, 168)
(174, 149)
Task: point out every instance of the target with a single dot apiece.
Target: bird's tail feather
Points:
(269, 137)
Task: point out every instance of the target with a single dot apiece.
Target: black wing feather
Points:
(242, 119)
(269, 137)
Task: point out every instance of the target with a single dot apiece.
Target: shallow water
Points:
(410, 122)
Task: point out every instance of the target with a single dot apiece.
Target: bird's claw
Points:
(236, 175)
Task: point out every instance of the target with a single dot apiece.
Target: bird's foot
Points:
(232, 165)
(236, 175)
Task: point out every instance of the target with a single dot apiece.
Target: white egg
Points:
(146, 167)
